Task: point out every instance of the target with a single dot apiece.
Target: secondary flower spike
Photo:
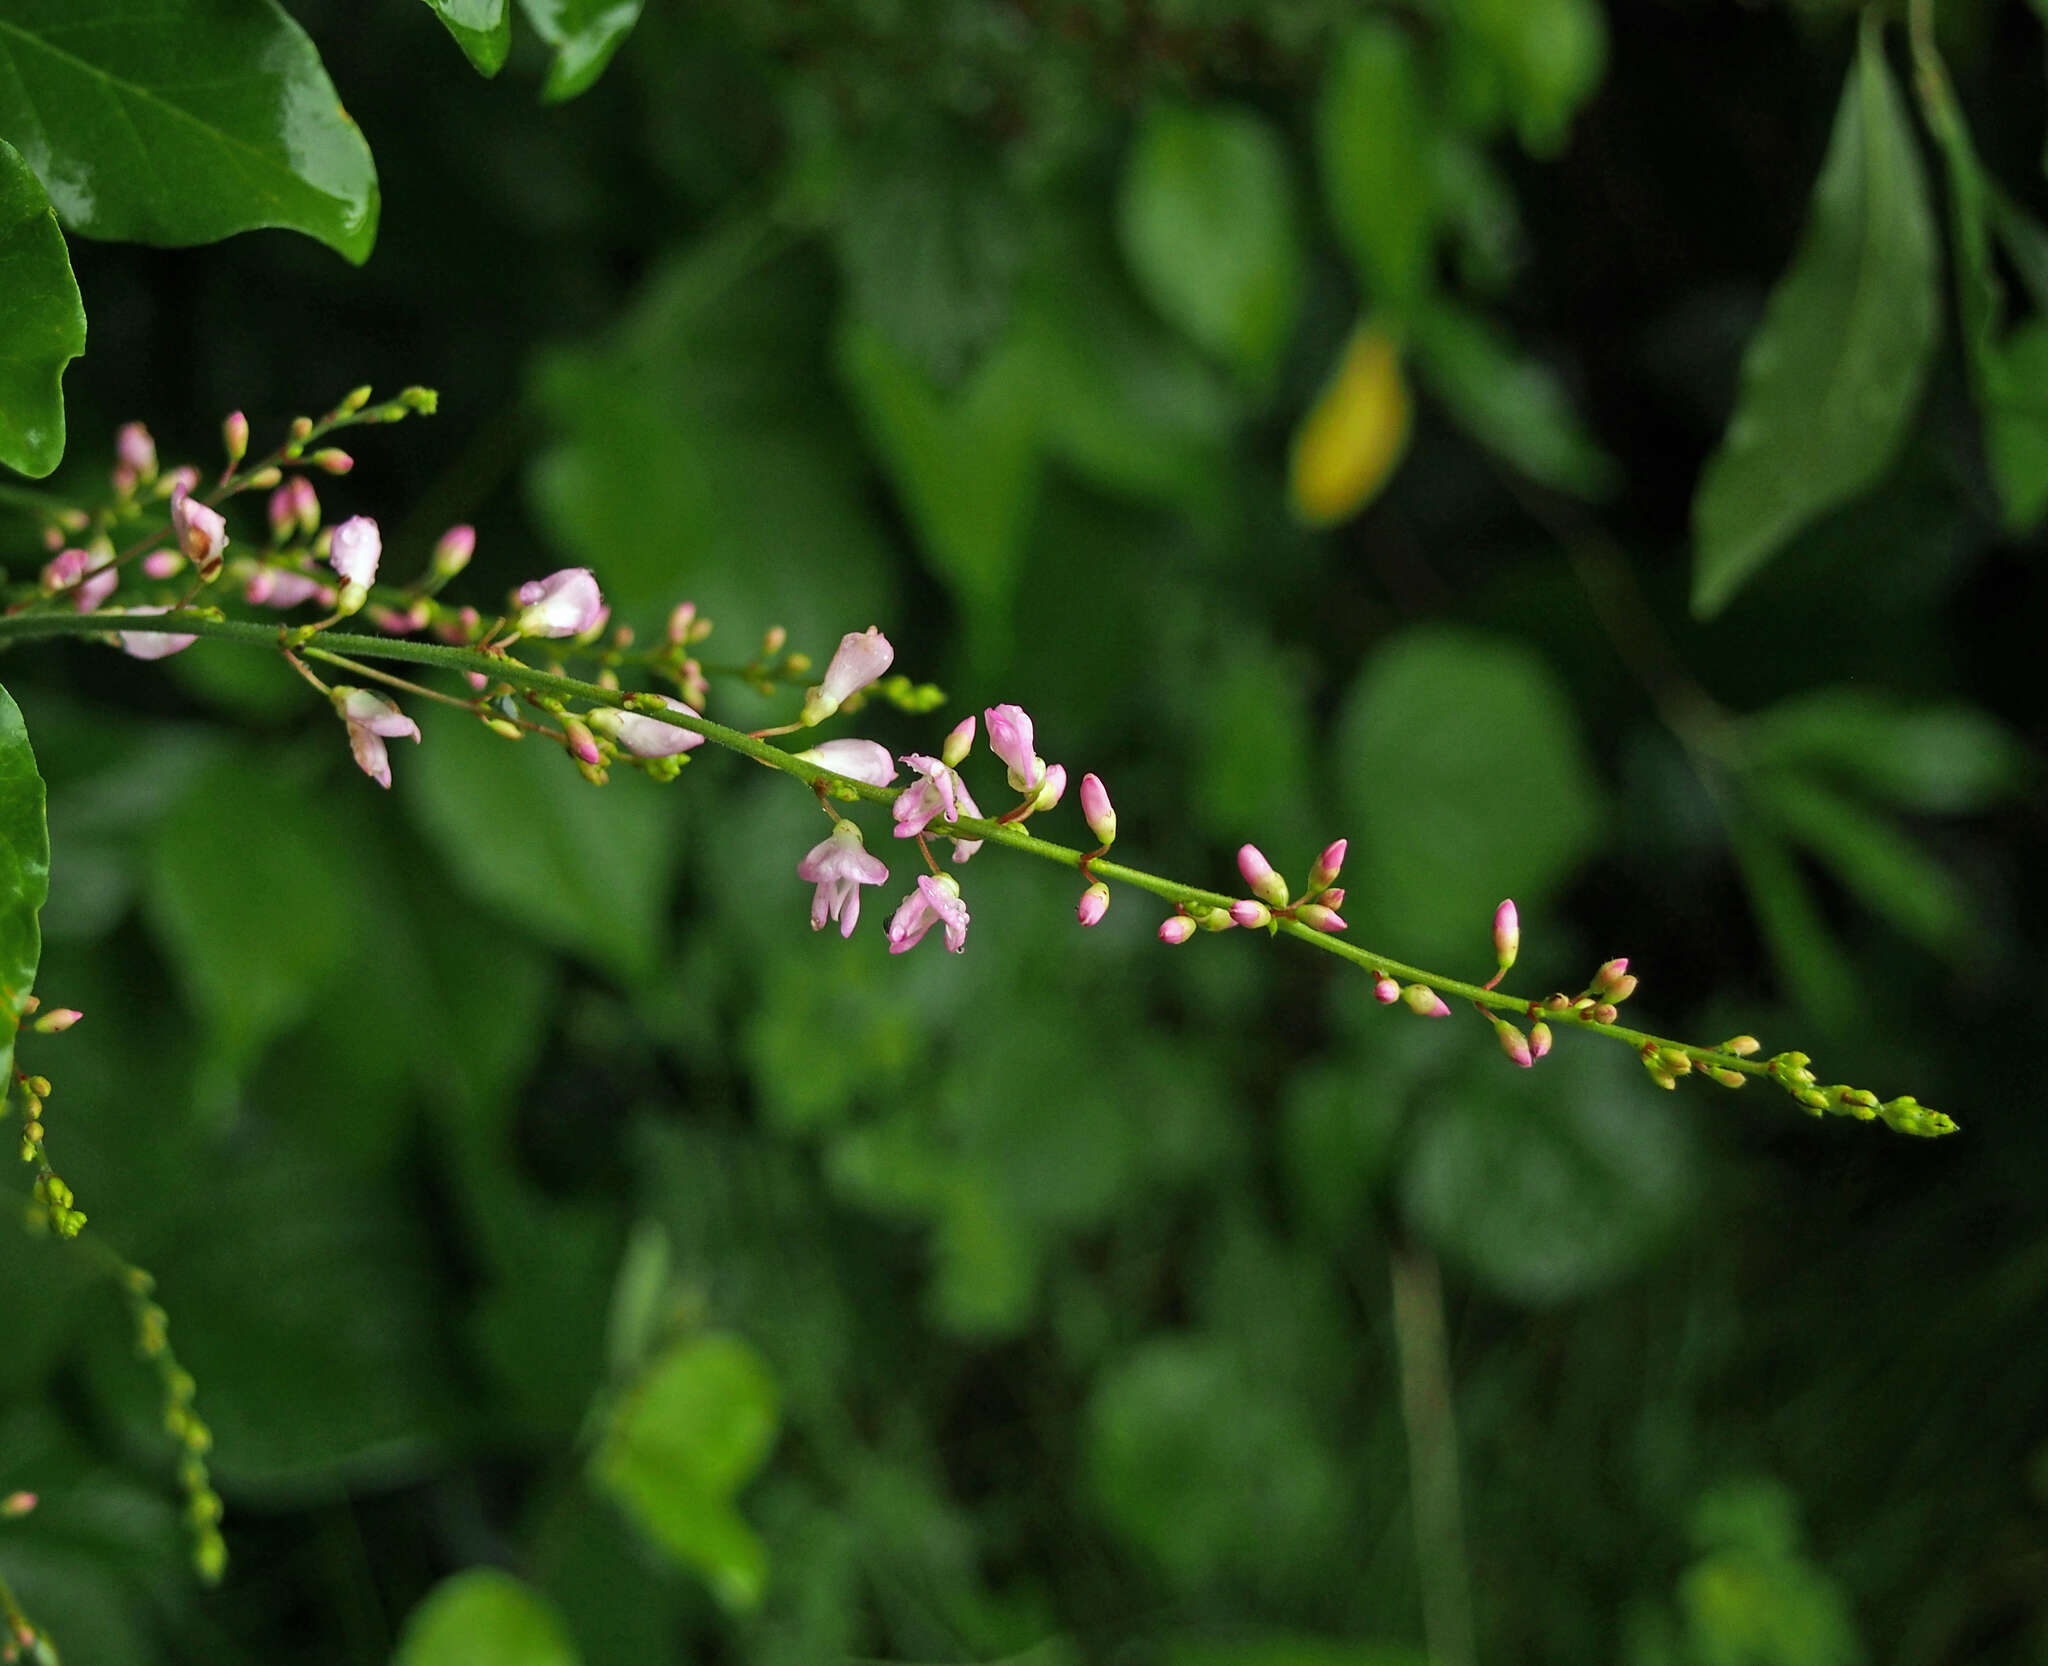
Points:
(861, 657)
(371, 721)
(565, 603)
(839, 865)
(935, 901)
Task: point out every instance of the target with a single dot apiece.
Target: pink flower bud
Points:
(1741, 1046)
(1318, 918)
(1176, 928)
(1514, 1043)
(58, 1020)
(1096, 807)
(1621, 988)
(18, 1504)
(201, 533)
(1425, 1002)
(234, 434)
(281, 587)
(305, 504)
(1052, 788)
(1539, 1040)
(580, 743)
(1507, 934)
(647, 736)
(1328, 866)
(1258, 873)
(861, 658)
(333, 461)
(162, 564)
(1010, 739)
(1333, 897)
(354, 549)
(1385, 990)
(1609, 971)
(1603, 1013)
(136, 451)
(858, 760)
(681, 617)
(1251, 915)
(1093, 905)
(453, 550)
(153, 644)
(958, 743)
(565, 603)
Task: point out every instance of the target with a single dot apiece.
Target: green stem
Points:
(1424, 1360)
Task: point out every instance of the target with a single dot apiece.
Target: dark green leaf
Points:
(24, 873)
(686, 1438)
(42, 324)
(1463, 772)
(1294, 1651)
(183, 121)
(1207, 219)
(584, 34)
(482, 1617)
(1544, 56)
(1375, 135)
(1809, 958)
(1509, 403)
(1831, 377)
(1941, 758)
(482, 28)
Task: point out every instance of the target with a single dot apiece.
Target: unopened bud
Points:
(1093, 905)
(1621, 989)
(452, 552)
(1676, 1060)
(1603, 1013)
(1385, 990)
(958, 743)
(1662, 1077)
(1539, 1039)
(1251, 915)
(1609, 971)
(1333, 897)
(353, 401)
(1258, 873)
(681, 617)
(332, 460)
(505, 727)
(300, 432)
(1052, 788)
(58, 1020)
(582, 744)
(1319, 918)
(1425, 1002)
(351, 599)
(16, 1505)
(1098, 811)
(1741, 1046)
(423, 400)
(1726, 1077)
(1176, 928)
(234, 434)
(776, 639)
(1327, 866)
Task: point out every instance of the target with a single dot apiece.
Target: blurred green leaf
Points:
(24, 873)
(1294, 1651)
(2013, 388)
(1461, 769)
(584, 34)
(588, 869)
(681, 1444)
(639, 1296)
(1879, 863)
(482, 28)
(1548, 1183)
(1546, 55)
(482, 1617)
(1375, 139)
(1511, 404)
(1832, 376)
(1753, 1598)
(1809, 958)
(1206, 215)
(1937, 757)
(183, 121)
(42, 324)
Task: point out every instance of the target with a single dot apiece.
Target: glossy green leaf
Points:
(1463, 771)
(1375, 139)
(482, 28)
(24, 873)
(483, 1617)
(1936, 757)
(42, 324)
(1833, 374)
(584, 34)
(681, 1444)
(587, 869)
(1510, 403)
(183, 121)
(1552, 1182)
(1206, 216)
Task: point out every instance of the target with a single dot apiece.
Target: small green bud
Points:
(1726, 1077)
(423, 400)
(354, 400)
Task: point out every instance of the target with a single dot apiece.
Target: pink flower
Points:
(281, 587)
(839, 866)
(862, 656)
(162, 564)
(924, 800)
(1100, 813)
(153, 644)
(201, 532)
(857, 760)
(1010, 739)
(1093, 905)
(294, 505)
(1052, 787)
(453, 551)
(644, 736)
(371, 721)
(354, 550)
(88, 574)
(135, 451)
(935, 901)
(566, 603)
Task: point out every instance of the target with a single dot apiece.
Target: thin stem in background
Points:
(1433, 1490)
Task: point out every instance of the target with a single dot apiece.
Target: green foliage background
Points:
(531, 1192)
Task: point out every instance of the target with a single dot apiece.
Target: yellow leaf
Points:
(1349, 443)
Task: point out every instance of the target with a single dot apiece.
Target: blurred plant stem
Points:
(1426, 1413)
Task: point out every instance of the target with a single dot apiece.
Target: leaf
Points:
(1809, 959)
(1511, 404)
(1349, 444)
(42, 323)
(1206, 217)
(24, 873)
(584, 34)
(1831, 377)
(1294, 1651)
(685, 1439)
(1548, 1183)
(587, 869)
(482, 1617)
(1945, 758)
(1375, 139)
(183, 121)
(1464, 773)
(1547, 56)
(482, 28)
